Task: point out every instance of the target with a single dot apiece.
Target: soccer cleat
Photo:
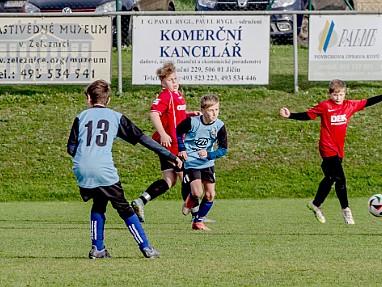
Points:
(187, 205)
(317, 212)
(199, 225)
(347, 215)
(94, 253)
(139, 209)
(150, 252)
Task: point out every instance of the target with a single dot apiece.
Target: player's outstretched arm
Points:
(284, 112)
(373, 100)
(160, 150)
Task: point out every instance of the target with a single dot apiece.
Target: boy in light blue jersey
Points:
(90, 144)
(197, 149)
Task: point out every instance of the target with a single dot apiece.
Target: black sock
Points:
(155, 189)
(186, 189)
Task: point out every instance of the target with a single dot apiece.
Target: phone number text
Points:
(48, 74)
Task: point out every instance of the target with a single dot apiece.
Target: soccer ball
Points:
(375, 205)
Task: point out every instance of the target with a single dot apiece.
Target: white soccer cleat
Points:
(139, 209)
(317, 212)
(348, 216)
(187, 206)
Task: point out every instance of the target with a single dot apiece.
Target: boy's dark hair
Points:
(167, 69)
(208, 100)
(336, 85)
(99, 92)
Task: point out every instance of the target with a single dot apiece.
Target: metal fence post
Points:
(295, 53)
(119, 47)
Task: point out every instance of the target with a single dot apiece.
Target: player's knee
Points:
(209, 197)
(97, 208)
(340, 184)
(197, 193)
(125, 212)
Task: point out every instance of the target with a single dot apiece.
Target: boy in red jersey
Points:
(335, 114)
(166, 112)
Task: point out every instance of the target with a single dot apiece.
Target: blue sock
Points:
(136, 230)
(204, 208)
(97, 226)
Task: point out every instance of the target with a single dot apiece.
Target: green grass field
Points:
(267, 242)
(265, 235)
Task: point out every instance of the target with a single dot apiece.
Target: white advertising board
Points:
(51, 50)
(347, 47)
(206, 50)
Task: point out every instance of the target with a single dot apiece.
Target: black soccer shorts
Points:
(205, 174)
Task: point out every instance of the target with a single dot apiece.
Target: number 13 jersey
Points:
(92, 134)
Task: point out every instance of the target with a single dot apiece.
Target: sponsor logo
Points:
(326, 36)
(346, 37)
(201, 142)
(156, 101)
(242, 3)
(67, 10)
(181, 107)
(338, 120)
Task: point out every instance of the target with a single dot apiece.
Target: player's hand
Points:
(179, 163)
(202, 153)
(165, 140)
(284, 112)
(194, 113)
(183, 155)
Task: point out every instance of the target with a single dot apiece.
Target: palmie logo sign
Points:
(346, 47)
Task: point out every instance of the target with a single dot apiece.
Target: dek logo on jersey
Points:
(338, 120)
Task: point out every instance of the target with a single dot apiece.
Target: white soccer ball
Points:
(375, 205)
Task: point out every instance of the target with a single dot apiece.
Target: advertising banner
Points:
(52, 50)
(347, 47)
(206, 50)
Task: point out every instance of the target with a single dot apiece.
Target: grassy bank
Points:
(268, 156)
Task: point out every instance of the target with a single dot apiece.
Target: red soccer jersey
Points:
(334, 121)
(171, 107)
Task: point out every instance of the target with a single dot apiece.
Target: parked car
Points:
(10, 6)
(281, 24)
(101, 6)
(226, 5)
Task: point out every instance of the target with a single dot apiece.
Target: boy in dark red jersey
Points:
(166, 112)
(335, 114)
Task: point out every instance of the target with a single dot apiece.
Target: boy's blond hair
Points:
(99, 92)
(208, 100)
(168, 68)
(336, 85)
